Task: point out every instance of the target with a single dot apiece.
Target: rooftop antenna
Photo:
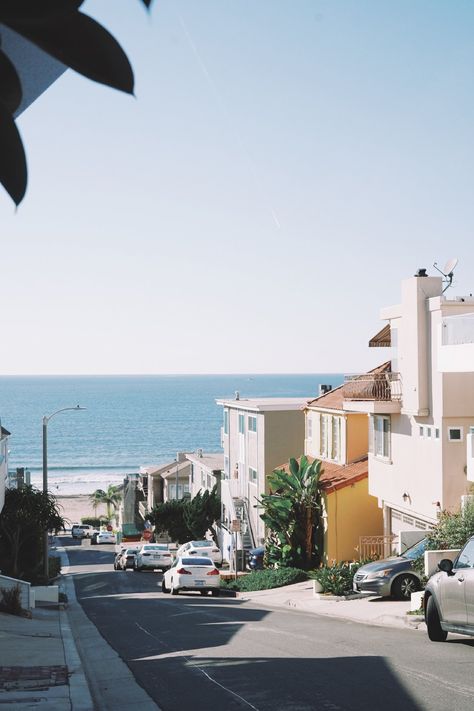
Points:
(447, 271)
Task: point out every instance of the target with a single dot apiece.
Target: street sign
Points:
(235, 525)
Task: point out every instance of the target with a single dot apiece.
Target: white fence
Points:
(26, 598)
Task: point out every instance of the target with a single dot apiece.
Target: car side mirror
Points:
(446, 566)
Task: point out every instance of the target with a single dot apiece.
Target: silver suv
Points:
(449, 596)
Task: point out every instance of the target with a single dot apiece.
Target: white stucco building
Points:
(420, 411)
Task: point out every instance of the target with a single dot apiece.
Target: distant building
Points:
(4, 435)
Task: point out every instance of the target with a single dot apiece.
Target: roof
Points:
(338, 476)
(382, 339)
(266, 404)
(164, 469)
(212, 461)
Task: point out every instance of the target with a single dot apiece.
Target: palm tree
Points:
(111, 498)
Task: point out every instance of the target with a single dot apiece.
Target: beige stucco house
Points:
(419, 413)
(257, 435)
(206, 471)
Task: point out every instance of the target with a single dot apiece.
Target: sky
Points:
(284, 165)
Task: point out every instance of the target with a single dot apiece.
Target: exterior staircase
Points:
(241, 512)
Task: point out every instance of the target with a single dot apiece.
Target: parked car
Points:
(202, 548)
(449, 596)
(152, 556)
(255, 558)
(118, 555)
(82, 530)
(94, 538)
(192, 573)
(106, 537)
(393, 576)
(128, 557)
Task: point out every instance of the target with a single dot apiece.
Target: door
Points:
(453, 587)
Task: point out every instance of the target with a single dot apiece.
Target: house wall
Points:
(350, 513)
(357, 437)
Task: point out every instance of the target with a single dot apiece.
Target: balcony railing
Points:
(373, 386)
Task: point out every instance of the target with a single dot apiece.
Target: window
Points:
(241, 424)
(381, 446)
(203, 478)
(336, 438)
(252, 423)
(192, 473)
(324, 436)
(309, 427)
(226, 421)
(226, 467)
(455, 434)
(253, 475)
(436, 433)
(209, 482)
(466, 557)
(421, 430)
(428, 432)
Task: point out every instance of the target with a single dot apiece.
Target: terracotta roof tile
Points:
(337, 476)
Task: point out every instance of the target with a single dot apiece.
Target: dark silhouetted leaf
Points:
(13, 174)
(31, 10)
(10, 85)
(82, 44)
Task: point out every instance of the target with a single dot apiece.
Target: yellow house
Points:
(340, 440)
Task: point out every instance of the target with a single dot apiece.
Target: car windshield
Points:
(197, 561)
(155, 548)
(201, 544)
(417, 550)
(131, 551)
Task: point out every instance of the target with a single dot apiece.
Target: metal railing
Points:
(372, 386)
(376, 546)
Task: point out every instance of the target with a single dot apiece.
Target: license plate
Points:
(199, 582)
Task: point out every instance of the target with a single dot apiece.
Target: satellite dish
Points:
(450, 266)
(447, 272)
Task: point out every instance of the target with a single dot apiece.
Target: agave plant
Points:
(292, 514)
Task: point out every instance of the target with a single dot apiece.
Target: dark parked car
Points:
(393, 577)
(255, 558)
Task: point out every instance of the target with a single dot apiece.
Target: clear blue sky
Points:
(285, 164)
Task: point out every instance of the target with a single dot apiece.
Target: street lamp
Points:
(46, 419)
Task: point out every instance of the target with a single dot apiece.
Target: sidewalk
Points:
(368, 610)
(40, 667)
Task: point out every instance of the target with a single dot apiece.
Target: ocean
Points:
(130, 421)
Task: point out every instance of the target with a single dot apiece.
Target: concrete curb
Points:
(113, 690)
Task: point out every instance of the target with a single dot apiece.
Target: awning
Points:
(382, 339)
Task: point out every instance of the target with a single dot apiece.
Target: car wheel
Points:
(435, 631)
(404, 586)
(174, 591)
(215, 593)
(164, 588)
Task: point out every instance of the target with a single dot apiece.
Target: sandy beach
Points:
(73, 508)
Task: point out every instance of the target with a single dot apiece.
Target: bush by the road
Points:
(266, 579)
(452, 529)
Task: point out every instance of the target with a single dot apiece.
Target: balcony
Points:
(373, 393)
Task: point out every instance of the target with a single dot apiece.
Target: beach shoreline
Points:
(74, 507)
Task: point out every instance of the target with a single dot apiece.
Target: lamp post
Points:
(46, 419)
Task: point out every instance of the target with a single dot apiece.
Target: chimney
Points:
(237, 395)
(323, 389)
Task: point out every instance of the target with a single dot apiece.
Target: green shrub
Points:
(266, 579)
(91, 521)
(452, 529)
(10, 601)
(337, 579)
(54, 566)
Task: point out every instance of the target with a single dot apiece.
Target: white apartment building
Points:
(258, 435)
(420, 412)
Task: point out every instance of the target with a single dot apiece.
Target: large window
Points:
(309, 427)
(381, 435)
(330, 437)
(241, 424)
(253, 475)
(226, 421)
(252, 423)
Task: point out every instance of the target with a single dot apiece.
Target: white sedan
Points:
(193, 573)
(106, 537)
(153, 555)
(202, 548)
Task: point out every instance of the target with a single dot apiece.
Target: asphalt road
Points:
(191, 652)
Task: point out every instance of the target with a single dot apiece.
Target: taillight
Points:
(213, 572)
(183, 571)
